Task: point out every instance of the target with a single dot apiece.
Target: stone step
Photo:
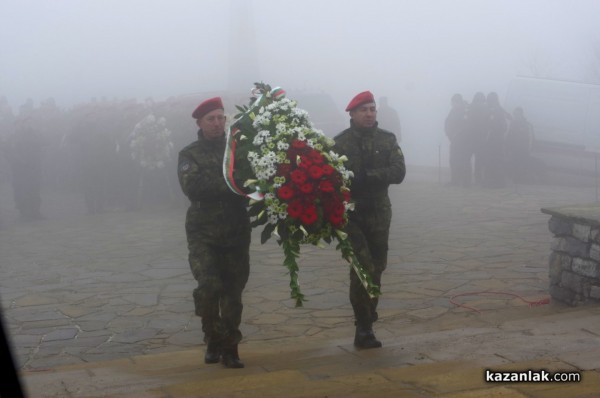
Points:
(310, 369)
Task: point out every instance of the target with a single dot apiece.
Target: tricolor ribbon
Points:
(231, 144)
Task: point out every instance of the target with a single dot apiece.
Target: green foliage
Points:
(278, 149)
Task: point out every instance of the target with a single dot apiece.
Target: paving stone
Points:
(62, 334)
(124, 282)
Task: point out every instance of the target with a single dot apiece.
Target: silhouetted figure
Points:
(25, 159)
(388, 118)
(519, 141)
(494, 158)
(94, 153)
(455, 127)
(477, 132)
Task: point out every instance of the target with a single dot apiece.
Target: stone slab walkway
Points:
(80, 289)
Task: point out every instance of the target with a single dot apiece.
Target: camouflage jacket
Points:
(216, 214)
(375, 159)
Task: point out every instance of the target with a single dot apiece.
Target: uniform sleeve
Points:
(395, 170)
(200, 183)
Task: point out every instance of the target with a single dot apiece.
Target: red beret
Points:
(363, 98)
(207, 106)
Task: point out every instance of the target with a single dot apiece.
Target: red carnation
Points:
(298, 144)
(306, 188)
(326, 186)
(305, 162)
(337, 208)
(328, 169)
(298, 176)
(295, 209)
(315, 172)
(309, 216)
(336, 220)
(316, 157)
(285, 193)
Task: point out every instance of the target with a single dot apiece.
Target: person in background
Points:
(376, 161)
(494, 170)
(460, 153)
(25, 158)
(477, 135)
(217, 227)
(519, 141)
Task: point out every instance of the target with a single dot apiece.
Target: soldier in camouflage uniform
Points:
(376, 161)
(218, 234)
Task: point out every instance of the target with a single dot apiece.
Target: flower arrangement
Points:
(150, 142)
(298, 187)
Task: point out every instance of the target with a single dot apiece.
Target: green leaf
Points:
(364, 276)
(266, 233)
(255, 210)
(257, 223)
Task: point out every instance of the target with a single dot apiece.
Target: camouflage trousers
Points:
(221, 273)
(368, 231)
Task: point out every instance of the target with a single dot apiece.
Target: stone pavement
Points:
(100, 305)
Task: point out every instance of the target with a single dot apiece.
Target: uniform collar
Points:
(364, 130)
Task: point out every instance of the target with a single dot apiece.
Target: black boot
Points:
(365, 338)
(230, 357)
(213, 352)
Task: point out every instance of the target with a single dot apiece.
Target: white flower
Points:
(281, 127)
(283, 146)
(334, 156)
(300, 113)
(258, 139)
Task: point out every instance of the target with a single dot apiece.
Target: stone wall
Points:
(575, 257)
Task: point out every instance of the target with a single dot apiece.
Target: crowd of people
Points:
(117, 154)
(488, 145)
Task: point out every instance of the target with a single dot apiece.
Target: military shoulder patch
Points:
(184, 166)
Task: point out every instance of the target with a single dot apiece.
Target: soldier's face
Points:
(212, 124)
(364, 116)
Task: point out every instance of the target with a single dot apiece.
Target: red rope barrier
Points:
(536, 303)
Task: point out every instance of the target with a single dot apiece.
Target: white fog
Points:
(111, 193)
(416, 53)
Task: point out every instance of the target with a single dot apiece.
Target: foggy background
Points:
(416, 53)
